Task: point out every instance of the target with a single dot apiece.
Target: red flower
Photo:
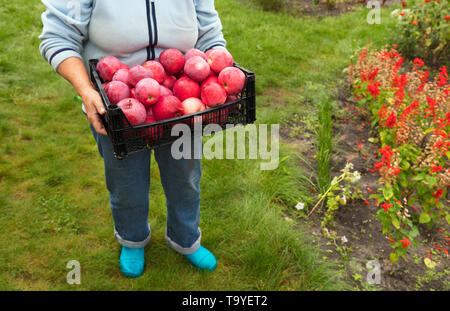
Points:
(386, 206)
(447, 17)
(397, 171)
(377, 166)
(418, 62)
(405, 242)
(366, 202)
(373, 88)
(409, 110)
(438, 194)
(414, 22)
(401, 13)
(443, 76)
(391, 120)
(399, 82)
(382, 113)
(444, 122)
(437, 168)
(370, 76)
(438, 144)
(404, 4)
(387, 154)
(431, 108)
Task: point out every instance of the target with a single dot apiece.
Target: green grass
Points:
(53, 202)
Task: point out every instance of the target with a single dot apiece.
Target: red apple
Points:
(105, 86)
(158, 70)
(207, 53)
(123, 66)
(148, 91)
(211, 79)
(219, 59)
(213, 94)
(149, 119)
(232, 79)
(231, 98)
(192, 105)
(167, 107)
(172, 60)
(137, 73)
(107, 67)
(185, 88)
(122, 75)
(197, 68)
(133, 110)
(164, 91)
(117, 91)
(169, 81)
(194, 52)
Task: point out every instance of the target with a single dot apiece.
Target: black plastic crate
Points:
(127, 139)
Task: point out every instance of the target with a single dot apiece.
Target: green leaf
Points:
(284, 159)
(414, 232)
(419, 177)
(424, 218)
(432, 181)
(412, 201)
(447, 217)
(393, 257)
(395, 222)
(403, 180)
(429, 263)
(388, 193)
(405, 165)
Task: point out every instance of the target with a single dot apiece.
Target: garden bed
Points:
(387, 199)
(357, 222)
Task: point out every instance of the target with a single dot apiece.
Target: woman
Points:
(135, 31)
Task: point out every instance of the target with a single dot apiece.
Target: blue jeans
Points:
(128, 183)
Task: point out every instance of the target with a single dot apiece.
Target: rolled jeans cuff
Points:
(184, 250)
(131, 244)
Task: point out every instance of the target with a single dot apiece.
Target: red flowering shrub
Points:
(422, 30)
(411, 112)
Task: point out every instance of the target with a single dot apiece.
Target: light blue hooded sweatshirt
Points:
(134, 31)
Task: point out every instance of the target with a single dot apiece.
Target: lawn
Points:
(53, 202)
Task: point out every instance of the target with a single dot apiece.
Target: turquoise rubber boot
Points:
(132, 261)
(203, 259)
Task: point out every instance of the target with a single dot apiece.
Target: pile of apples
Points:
(174, 85)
